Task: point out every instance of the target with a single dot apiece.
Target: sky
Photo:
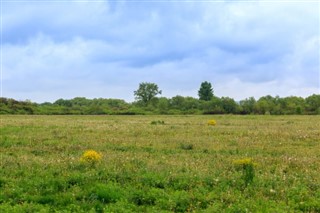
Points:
(104, 49)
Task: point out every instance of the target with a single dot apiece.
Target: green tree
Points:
(62, 102)
(177, 102)
(292, 105)
(205, 92)
(163, 105)
(266, 105)
(313, 104)
(247, 105)
(229, 105)
(146, 92)
(214, 106)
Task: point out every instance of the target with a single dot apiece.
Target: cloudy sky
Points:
(65, 49)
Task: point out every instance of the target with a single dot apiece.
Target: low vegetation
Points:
(124, 164)
(147, 103)
(177, 105)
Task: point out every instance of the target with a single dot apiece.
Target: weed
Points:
(2, 182)
(158, 122)
(106, 193)
(247, 167)
(182, 201)
(142, 197)
(187, 146)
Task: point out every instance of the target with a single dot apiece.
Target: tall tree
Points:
(313, 104)
(247, 105)
(229, 105)
(146, 92)
(205, 92)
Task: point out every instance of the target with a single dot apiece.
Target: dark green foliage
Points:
(248, 173)
(176, 105)
(229, 105)
(146, 92)
(247, 105)
(154, 180)
(309, 206)
(2, 182)
(182, 201)
(247, 168)
(106, 193)
(11, 106)
(313, 104)
(142, 197)
(205, 92)
(75, 179)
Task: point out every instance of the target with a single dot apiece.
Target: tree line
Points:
(147, 102)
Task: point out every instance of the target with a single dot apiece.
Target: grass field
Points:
(160, 164)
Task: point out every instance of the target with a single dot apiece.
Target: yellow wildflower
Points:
(90, 156)
(212, 122)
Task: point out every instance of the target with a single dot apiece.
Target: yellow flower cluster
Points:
(212, 122)
(244, 162)
(90, 156)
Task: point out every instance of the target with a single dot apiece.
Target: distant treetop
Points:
(205, 92)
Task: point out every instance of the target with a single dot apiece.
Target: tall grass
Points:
(183, 166)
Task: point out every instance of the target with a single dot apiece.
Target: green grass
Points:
(182, 166)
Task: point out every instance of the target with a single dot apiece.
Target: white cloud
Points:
(106, 48)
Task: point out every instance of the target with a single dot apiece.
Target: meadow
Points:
(160, 163)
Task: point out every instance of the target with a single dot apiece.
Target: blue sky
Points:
(65, 49)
